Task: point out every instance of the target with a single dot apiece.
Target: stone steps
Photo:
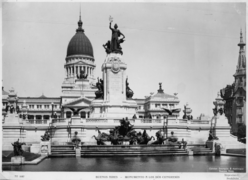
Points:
(202, 151)
(62, 151)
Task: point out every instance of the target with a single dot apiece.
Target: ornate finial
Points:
(160, 90)
(241, 36)
(80, 23)
(241, 44)
(218, 94)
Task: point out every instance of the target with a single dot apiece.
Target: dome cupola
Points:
(79, 43)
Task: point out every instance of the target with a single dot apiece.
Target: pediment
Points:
(80, 63)
(80, 102)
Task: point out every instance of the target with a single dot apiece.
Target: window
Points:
(157, 105)
(39, 106)
(55, 106)
(164, 105)
(68, 114)
(31, 106)
(46, 106)
(171, 105)
(83, 114)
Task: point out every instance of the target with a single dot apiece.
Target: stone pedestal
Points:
(35, 148)
(210, 145)
(78, 152)
(45, 147)
(76, 120)
(115, 103)
(18, 159)
(12, 120)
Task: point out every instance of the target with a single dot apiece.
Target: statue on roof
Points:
(114, 45)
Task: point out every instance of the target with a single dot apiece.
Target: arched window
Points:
(68, 114)
(82, 114)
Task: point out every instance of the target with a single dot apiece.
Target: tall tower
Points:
(235, 94)
(240, 84)
(240, 75)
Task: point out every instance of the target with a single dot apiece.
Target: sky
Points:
(191, 48)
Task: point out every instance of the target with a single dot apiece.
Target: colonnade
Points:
(73, 71)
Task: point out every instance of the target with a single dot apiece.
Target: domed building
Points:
(78, 90)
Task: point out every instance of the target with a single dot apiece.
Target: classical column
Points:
(74, 71)
(105, 85)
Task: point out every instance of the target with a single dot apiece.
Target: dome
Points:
(80, 44)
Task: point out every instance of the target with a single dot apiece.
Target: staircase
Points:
(65, 134)
(62, 151)
(202, 151)
(121, 150)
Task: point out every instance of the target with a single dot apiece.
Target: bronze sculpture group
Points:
(18, 151)
(126, 133)
(114, 46)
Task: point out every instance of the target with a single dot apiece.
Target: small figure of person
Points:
(55, 115)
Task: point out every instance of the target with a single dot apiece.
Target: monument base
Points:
(18, 159)
(106, 109)
(45, 147)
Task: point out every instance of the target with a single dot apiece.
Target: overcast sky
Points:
(191, 48)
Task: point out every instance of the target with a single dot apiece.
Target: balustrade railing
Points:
(96, 120)
(199, 122)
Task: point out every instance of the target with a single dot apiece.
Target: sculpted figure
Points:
(129, 92)
(100, 86)
(115, 41)
(46, 136)
(82, 75)
(107, 47)
(76, 140)
(18, 151)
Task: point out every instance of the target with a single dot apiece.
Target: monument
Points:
(114, 96)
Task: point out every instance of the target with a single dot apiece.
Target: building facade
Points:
(78, 91)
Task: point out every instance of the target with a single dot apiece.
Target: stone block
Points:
(35, 148)
(78, 152)
(18, 159)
